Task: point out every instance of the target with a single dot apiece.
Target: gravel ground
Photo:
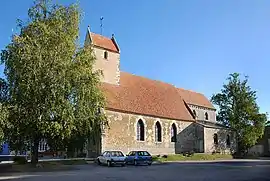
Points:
(173, 171)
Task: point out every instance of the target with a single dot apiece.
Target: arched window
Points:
(228, 141)
(194, 113)
(158, 134)
(106, 55)
(140, 130)
(215, 139)
(173, 133)
(206, 116)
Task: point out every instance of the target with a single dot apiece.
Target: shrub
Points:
(20, 160)
(81, 155)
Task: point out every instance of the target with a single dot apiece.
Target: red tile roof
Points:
(140, 95)
(104, 42)
(195, 98)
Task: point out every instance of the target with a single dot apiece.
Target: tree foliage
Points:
(3, 121)
(53, 90)
(238, 110)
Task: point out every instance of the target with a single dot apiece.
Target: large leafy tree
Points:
(3, 109)
(3, 121)
(238, 110)
(53, 90)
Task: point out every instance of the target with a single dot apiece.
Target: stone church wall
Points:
(121, 134)
(222, 146)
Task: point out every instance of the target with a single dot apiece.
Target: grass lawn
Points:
(198, 156)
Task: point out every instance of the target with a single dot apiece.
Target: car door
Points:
(131, 156)
(103, 157)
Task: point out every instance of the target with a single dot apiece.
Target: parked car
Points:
(112, 158)
(139, 157)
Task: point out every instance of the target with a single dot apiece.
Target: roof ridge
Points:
(101, 35)
(190, 90)
(146, 78)
(161, 82)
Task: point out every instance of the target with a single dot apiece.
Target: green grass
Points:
(198, 156)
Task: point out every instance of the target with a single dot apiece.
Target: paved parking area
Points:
(212, 171)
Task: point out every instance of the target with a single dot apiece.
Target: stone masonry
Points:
(121, 134)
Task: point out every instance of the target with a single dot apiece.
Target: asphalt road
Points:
(211, 171)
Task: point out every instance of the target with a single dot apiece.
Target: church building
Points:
(152, 115)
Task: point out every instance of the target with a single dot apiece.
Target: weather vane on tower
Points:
(101, 18)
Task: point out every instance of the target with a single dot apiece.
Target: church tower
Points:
(107, 54)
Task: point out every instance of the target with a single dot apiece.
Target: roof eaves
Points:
(115, 43)
(105, 48)
(89, 33)
(163, 117)
(209, 107)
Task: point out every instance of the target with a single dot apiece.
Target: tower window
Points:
(195, 114)
(106, 55)
(206, 116)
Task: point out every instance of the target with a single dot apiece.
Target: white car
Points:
(112, 158)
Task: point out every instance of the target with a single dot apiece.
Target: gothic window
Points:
(158, 134)
(215, 139)
(228, 141)
(194, 113)
(206, 116)
(140, 130)
(106, 55)
(173, 133)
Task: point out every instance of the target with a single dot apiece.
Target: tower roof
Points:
(103, 41)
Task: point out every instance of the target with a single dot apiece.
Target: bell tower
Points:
(107, 54)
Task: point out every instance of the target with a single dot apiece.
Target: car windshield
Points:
(143, 153)
(117, 154)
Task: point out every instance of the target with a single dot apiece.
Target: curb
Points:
(157, 163)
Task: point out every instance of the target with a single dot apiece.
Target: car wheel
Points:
(135, 162)
(123, 165)
(150, 163)
(109, 164)
(98, 161)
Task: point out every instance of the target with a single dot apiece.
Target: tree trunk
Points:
(34, 152)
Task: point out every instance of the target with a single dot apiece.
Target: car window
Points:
(120, 153)
(143, 153)
(132, 153)
(104, 153)
(107, 154)
(146, 153)
(117, 154)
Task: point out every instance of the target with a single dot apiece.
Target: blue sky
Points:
(192, 44)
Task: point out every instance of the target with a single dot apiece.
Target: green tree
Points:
(267, 121)
(238, 110)
(3, 110)
(53, 91)
(3, 121)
